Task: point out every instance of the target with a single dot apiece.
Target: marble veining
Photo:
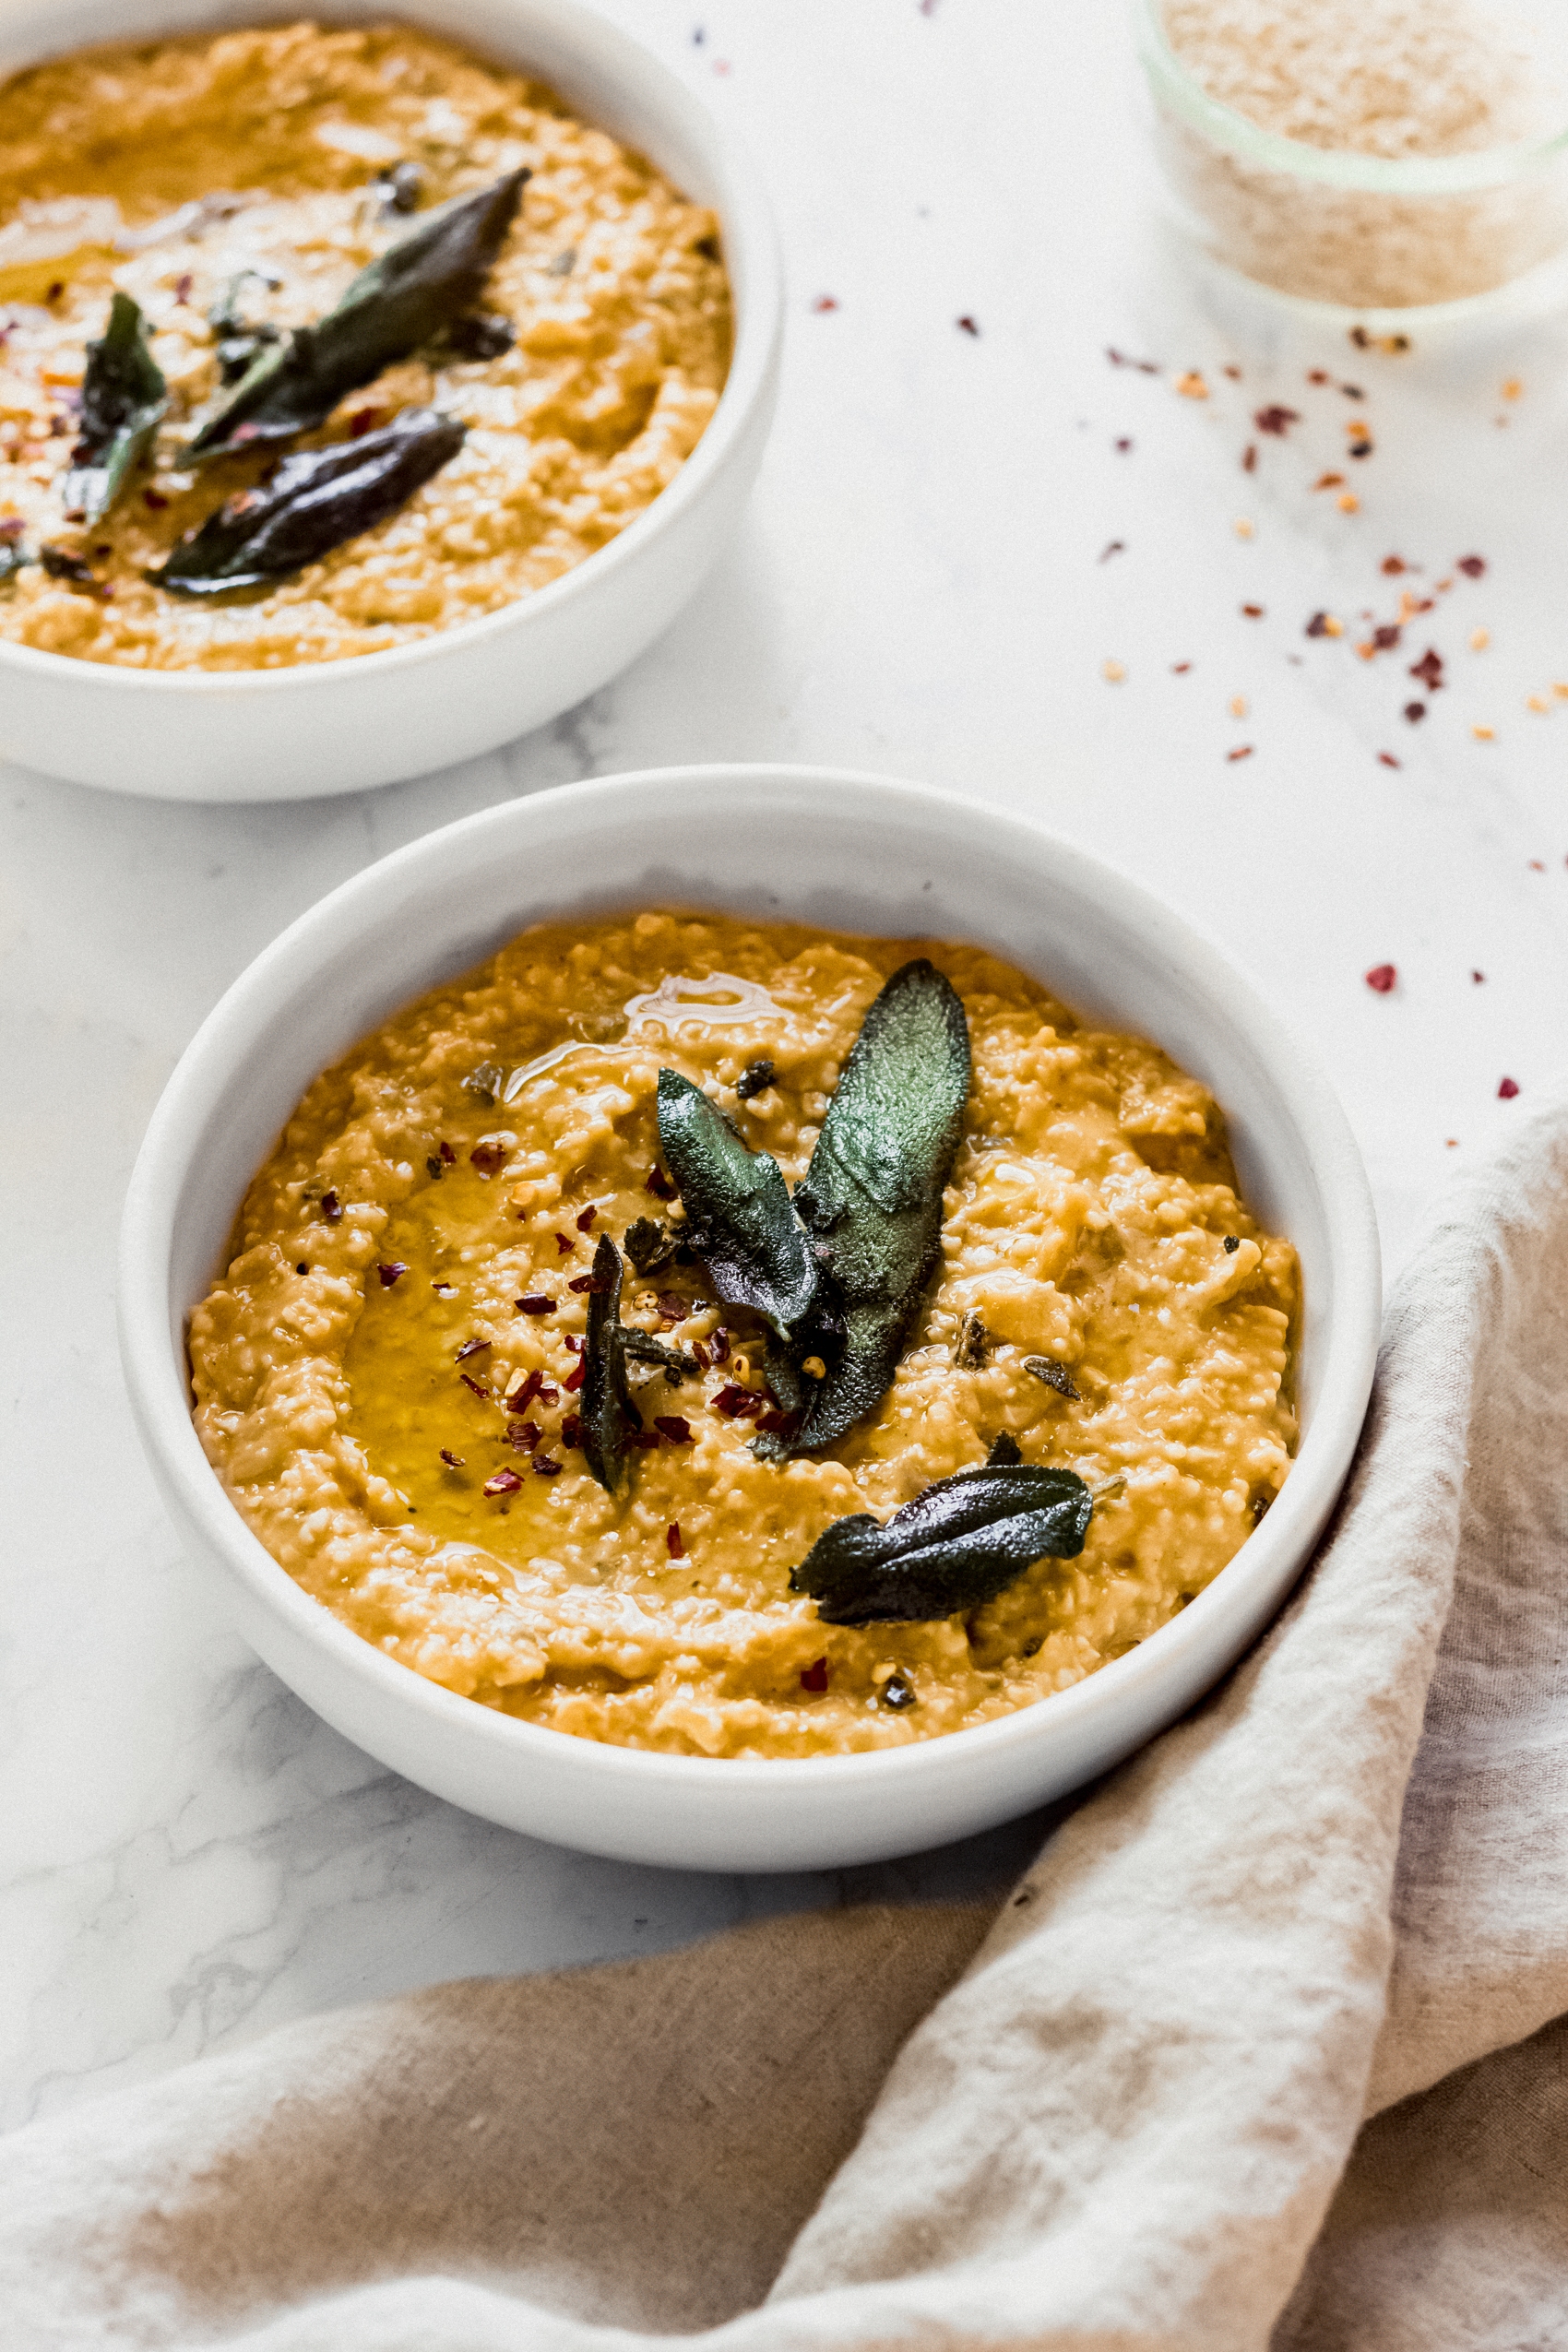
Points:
(948, 545)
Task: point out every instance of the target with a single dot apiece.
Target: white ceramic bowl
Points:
(341, 726)
(813, 846)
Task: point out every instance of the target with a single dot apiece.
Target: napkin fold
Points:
(1267, 2048)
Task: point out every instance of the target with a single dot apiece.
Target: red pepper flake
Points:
(736, 1403)
(547, 1396)
(1317, 376)
(573, 1344)
(445, 1289)
(825, 302)
(1477, 977)
(968, 326)
(1387, 636)
(471, 1347)
(1243, 751)
(674, 1426)
(661, 1185)
(505, 1482)
(1122, 447)
(1180, 669)
(585, 1222)
(815, 1678)
(564, 1244)
(719, 1343)
(1537, 866)
(1394, 566)
(390, 1274)
(453, 1461)
(672, 1542)
(155, 499)
(1428, 669)
(584, 1282)
(536, 1303)
(647, 1439)
(1381, 979)
(1112, 547)
(1507, 1089)
(1120, 359)
(332, 1208)
(545, 1465)
(523, 1437)
(1352, 391)
(673, 1305)
(1252, 611)
(700, 1352)
(489, 1158)
(1277, 419)
(571, 1429)
(1414, 711)
(1233, 373)
(776, 1420)
(364, 421)
(1471, 565)
(1389, 759)
(448, 1157)
(528, 1388)
(1318, 626)
(303, 1265)
(1250, 458)
(477, 1386)
(56, 290)
(575, 1378)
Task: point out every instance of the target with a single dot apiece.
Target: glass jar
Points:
(1338, 225)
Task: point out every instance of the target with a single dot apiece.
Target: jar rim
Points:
(1225, 125)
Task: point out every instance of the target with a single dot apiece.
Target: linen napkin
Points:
(1267, 2048)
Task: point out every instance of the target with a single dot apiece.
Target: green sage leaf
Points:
(418, 285)
(316, 499)
(871, 1197)
(123, 399)
(954, 1548)
(738, 1218)
(605, 1399)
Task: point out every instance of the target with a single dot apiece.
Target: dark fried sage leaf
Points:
(648, 1244)
(123, 399)
(738, 1211)
(316, 499)
(647, 1348)
(871, 1197)
(398, 302)
(605, 1401)
(952, 1549)
(240, 340)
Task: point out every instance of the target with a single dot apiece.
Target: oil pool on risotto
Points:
(744, 1340)
(319, 341)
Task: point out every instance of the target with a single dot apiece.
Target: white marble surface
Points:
(187, 1855)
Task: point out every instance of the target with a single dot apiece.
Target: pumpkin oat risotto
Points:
(316, 341)
(480, 1377)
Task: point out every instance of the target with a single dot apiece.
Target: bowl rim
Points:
(748, 227)
(157, 1382)
(1431, 176)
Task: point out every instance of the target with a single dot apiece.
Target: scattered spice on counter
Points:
(1389, 759)
(1507, 1089)
(966, 324)
(1243, 751)
(1192, 386)
(825, 302)
(1244, 527)
(1249, 459)
(1277, 419)
(1252, 611)
(1473, 566)
(1381, 979)
(1112, 547)
(1113, 671)
(1415, 712)
(1120, 359)
(1428, 669)
(1484, 734)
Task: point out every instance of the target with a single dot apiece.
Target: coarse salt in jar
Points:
(1373, 154)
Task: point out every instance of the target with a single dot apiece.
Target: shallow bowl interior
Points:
(851, 852)
(341, 726)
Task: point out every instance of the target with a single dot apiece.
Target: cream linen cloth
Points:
(1124, 2115)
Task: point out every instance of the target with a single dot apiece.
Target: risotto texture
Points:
(401, 1321)
(283, 161)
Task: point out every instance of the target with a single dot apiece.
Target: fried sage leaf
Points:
(316, 499)
(738, 1218)
(871, 1197)
(124, 399)
(401, 300)
(240, 340)
(952, 1549)
(605, 1399)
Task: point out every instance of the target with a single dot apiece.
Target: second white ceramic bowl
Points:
(341, 726)
(812, 846)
